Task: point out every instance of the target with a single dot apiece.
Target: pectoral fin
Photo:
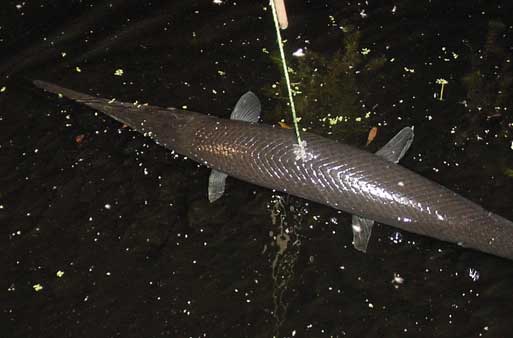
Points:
(393, 151)
(216, 183)
(247, 109)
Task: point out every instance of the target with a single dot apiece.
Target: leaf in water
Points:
(508, 172)
(79, 138)
(372, 135)
(284, 125)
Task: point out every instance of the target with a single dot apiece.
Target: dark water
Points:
(139, 250)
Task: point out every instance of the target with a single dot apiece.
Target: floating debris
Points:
(397, 280)
(373, 132)
(442, 82)
(284, 125)
(79, 138)
(396, 237)
(473, 274)
(299, 53)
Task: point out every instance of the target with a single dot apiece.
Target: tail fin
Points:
(131, 114)
(160, 124)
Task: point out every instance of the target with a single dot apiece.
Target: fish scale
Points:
(332, 173)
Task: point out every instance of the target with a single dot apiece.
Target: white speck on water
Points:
(396, 237)
(108, 206)
(400, 183)
(397, 280)
(473, 274)
(299, 53)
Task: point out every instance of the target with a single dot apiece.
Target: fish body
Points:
(331, 173)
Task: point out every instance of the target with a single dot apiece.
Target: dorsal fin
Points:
(247, 108)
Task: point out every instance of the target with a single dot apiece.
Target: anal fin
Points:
(216, 183)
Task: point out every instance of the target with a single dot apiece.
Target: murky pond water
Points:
(104, 233)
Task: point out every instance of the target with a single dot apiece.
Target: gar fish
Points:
(371, 187)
